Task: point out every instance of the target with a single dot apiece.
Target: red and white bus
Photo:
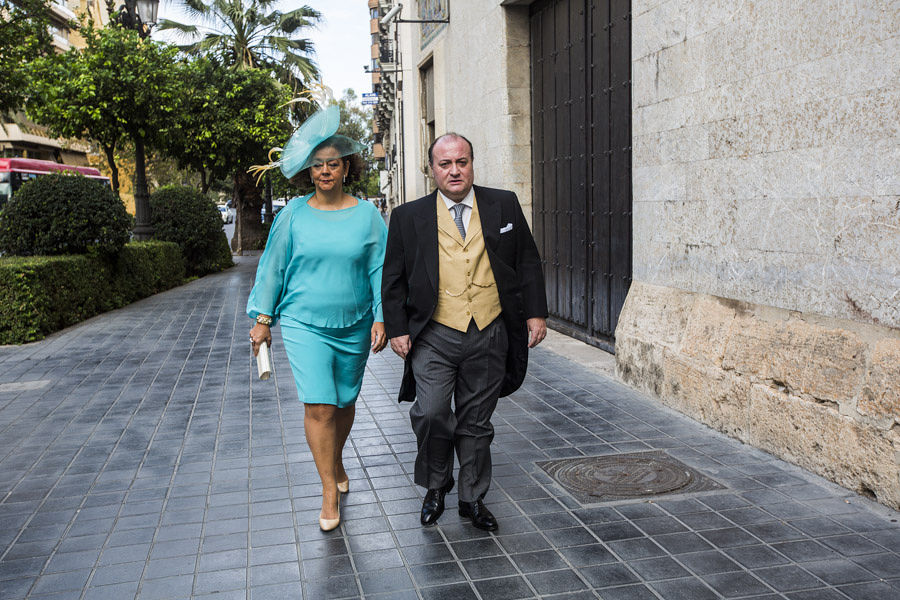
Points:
(16, 171)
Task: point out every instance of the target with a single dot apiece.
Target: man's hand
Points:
(401, 345)
(537, 331)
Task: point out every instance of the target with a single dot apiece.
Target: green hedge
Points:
(42, 294)
(63, 214)
(183, 215)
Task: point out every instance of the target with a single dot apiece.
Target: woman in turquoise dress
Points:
(320, 278)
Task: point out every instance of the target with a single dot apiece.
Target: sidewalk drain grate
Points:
(592, 479)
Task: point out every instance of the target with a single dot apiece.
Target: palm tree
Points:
(247, 34)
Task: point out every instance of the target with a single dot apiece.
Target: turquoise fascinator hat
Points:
(317, 131)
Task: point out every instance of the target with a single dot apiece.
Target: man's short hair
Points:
(449, 134)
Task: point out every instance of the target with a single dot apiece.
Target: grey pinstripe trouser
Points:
(467, 368)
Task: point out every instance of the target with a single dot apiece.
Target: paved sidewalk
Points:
(140, 458)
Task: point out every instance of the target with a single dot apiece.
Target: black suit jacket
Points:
(409, 284)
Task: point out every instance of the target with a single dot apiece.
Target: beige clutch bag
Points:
(264, 362)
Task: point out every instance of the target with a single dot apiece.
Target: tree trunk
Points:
(204, 184)
(110, 152)
(268, 199)
(247, 201)
(143, 230)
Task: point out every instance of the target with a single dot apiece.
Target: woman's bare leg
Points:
(343, 423)
(320, 425)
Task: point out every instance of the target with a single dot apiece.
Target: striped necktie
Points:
(457, 218)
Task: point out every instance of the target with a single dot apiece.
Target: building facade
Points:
(19, 136)
(714, 187)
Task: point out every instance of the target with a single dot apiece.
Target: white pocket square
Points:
(505, 228)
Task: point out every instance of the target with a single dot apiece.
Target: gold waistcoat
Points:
(466, 286)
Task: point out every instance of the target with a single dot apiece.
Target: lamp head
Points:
(391, 14)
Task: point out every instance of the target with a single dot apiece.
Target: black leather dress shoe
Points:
(433, 506)
(479, 514)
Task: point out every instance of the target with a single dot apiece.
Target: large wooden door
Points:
(581, 163)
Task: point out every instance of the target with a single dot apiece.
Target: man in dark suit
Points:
(463, 299)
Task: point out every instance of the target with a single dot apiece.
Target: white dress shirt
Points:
(468, 202)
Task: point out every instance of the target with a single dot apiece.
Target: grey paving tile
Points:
(805, 551)
(67, 561)
(61, 582)
(870, 591)
(818, 594)
(220, 543)
(504, 588)
(753, 557)
(614, 574)
(851, 545)
(455, 591)
(886, 565)
(437, 574)
(609, 532)
(654, 569)
(629, 592)
(286, 572)
(488, 567)
(684, 589)
(523, 542)
(839, 572)
(556, 582)
(729, 537)
(328, 566)
(17, 588)
(709, 562)
(120, 573)
(733, 585)
(378, 560)
(219, 581)
(679, 543)
(278, 591)
(788, 578)
(216, 561)
(533, 562)
(344, 586)
(111, 592)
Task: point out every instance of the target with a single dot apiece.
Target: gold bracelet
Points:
(264, 320)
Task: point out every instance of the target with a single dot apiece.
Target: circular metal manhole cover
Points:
(624, 476)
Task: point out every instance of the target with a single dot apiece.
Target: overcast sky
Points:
(342, 41)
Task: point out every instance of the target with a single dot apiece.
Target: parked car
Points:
(277, 205)
(227, 214)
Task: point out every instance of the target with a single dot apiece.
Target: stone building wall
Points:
(766, 295)
(482, 90)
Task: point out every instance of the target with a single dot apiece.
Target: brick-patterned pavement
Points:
(140, 458)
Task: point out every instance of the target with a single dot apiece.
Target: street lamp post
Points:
(140, 15)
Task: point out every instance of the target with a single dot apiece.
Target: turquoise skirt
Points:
(328, 362)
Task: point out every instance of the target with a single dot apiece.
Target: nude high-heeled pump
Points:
(328, 524)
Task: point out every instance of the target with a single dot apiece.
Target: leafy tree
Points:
(248, 34)
(24, 35)
(117, 86)
(227, 121)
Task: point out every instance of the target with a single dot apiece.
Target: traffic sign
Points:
(367, 101)
(372, 95)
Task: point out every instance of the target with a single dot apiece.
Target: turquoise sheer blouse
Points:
(321, 267)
